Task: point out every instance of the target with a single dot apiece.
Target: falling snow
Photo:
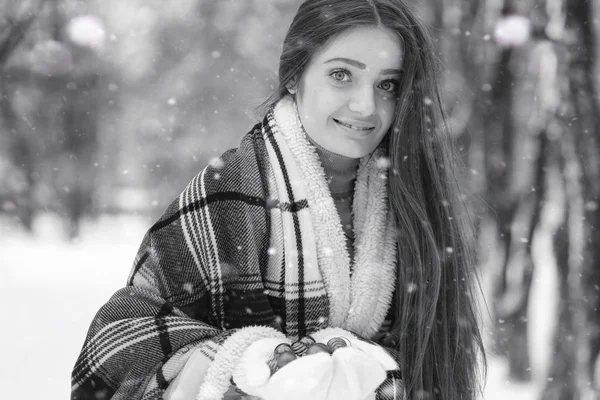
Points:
(512, 31)
(87, 31)
(88, 271)
(216, 162)
(383, 163)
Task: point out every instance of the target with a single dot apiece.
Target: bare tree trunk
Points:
(514, 303)
(22, 157)
(12, 33)
(561, 375)
(577, 340)
(510, 298)
(584, 276)
(80, 148)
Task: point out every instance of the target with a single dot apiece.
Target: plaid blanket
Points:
(253, 241)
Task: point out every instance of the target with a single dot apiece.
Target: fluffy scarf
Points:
(359, 302)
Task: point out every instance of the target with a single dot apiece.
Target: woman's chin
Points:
(343, 151)
(351, 150)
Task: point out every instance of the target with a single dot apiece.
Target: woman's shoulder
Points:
(250, 143)
(238, 170)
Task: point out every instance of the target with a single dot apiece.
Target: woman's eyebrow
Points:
(359, 65)
(354, 63)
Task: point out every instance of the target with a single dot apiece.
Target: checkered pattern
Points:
(215, 262)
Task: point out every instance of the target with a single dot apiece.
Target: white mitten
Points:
(307, 377)
(359, 368)
(356, 375)
(387, 362)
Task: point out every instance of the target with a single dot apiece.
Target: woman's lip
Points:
(356, 127)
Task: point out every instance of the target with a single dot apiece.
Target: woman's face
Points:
(347, 94)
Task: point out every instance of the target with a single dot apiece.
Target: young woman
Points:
(337, 217)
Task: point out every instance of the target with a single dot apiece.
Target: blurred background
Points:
(108, 108)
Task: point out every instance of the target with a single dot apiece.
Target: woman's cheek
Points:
(387, 113)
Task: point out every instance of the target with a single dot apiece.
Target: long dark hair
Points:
(437, 328)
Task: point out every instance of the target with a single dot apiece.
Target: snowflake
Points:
(383, 162)
(216, 162)
(411, 287)
(512, 31)
(87, 31)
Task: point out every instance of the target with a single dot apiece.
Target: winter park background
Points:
(110, 107)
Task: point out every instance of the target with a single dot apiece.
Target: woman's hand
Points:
(359, 367)
(332, 364)
(271, 374)
(232, 394)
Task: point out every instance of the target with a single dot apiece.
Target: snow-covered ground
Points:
(51, 289)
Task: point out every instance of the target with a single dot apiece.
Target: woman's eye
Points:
(340, 76)
(389, 86)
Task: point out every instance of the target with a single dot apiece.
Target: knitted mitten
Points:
(308, 377)
(359, 367)
(352, 371)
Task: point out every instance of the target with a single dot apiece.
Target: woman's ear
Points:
(292, 85)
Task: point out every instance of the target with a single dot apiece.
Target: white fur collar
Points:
(359, 304)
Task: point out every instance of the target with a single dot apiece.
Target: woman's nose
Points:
(363, 101)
